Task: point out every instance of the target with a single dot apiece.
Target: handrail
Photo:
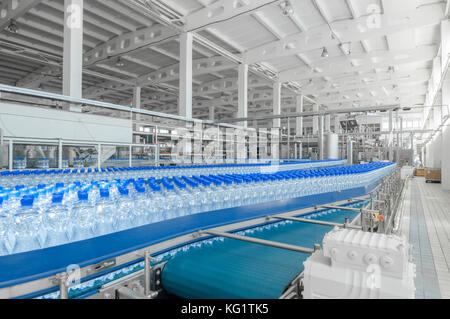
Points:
(59, 142)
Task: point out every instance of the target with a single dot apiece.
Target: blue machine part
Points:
(233, 269)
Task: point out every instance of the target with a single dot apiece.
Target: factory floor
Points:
(426, 222)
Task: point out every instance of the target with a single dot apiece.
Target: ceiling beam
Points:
(349, 31)
(13, 9)
(367, 64)
(368, 81)
(128, 42)
(167, 74)
(221, 10)
(200, 67)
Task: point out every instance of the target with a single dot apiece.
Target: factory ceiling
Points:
(340, 53)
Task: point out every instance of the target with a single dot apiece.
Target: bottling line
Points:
(262, 241)
(216, 149)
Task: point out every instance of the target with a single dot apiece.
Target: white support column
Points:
(212, 110)
(316, 120)
(299, 120)
(390, 140)
(73, 51)
(243, 92)
(137, 97)
(320, 140)
(327, 123)
(185, 99)
(445, 148)
(337, 124)
(437, 115)
(277, 103)
(137, 100)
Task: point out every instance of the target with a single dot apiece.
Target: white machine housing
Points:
(355, 264)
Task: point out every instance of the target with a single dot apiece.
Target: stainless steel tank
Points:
(331, 146)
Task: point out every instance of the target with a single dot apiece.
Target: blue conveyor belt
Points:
(232, 269)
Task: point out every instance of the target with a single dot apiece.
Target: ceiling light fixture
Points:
(346, 47)
(287, 8)
(12, 27)
(120, 63)
(324, 52)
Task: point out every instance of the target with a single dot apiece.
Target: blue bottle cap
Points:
(27, 201)
(19, 187)
(169, 186)
(124, 191)
(140, 190)
(104, 193)
(57, 198)
(155, 188)
(83, 195)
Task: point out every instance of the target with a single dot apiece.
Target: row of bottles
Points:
(33, 178)
(50, 215)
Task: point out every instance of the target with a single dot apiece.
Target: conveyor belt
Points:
(232, 269)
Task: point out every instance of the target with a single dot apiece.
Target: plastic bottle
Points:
(124, 217)
(26, 225)
(5, 230)
(142, 207)
(83, 217)
(104, 214)
(57, 222)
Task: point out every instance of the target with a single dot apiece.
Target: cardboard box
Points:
(420, 172)
(433, 175)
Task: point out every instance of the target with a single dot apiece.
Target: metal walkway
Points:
(426, 222)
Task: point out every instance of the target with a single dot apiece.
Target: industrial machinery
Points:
(267, 250)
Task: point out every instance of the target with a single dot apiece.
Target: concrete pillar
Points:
(320, 140)
(185, 102)
(299, 120)
(277, 103)
(437, 116)
(445, 148)
(445, 156)
(391, 137)
(73, 51)
(337, 124)
(327, 123)
(243, 92)
(316, 120)
(212, 110)
(137, 100)
(437, 150)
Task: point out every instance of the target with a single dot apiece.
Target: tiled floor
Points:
(427, 208)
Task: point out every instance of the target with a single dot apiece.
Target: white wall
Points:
(445, 172)
(25, 121)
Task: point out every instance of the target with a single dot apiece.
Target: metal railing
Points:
(61, 143)
(380, 212)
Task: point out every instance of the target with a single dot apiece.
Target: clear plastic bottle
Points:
(124, 217)
(27, 227)
(83, 217)
(104, 214)
(56, 222)
(142, 207)
(5, 230)
(158, 207)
